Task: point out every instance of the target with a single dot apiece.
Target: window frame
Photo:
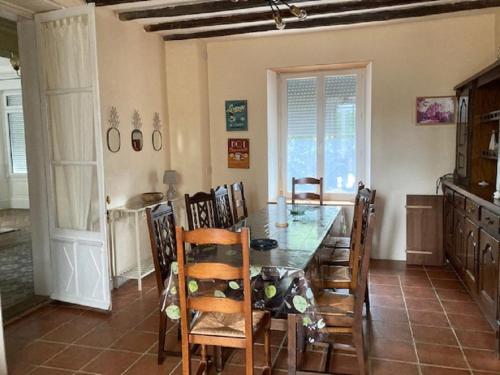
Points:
(6, 111)
(362, 127)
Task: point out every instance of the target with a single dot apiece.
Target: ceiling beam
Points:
(312, 10)
(103, 3)
(337, 20)
(198, 8)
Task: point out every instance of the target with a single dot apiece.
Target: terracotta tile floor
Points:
(422, 322)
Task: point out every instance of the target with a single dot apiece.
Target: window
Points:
(323, 130)
(15, 133)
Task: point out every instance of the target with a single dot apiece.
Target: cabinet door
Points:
(471, 254)
(424, 229)
(458, 230)
(448, 230)
(461, 162)
(488, 273)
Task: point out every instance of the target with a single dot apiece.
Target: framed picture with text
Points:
(238, 153)
(236, 115)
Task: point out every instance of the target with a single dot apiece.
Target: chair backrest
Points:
(218, 271)
(308, 195)
(364, 265)
(364, 200)
(161, 226)
(223, 211)
(239, 203)
(200, 210)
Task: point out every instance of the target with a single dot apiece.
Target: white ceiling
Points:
(26, 8)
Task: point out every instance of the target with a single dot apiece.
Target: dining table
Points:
(282, 277)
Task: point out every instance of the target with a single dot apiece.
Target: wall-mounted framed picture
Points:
(435, 110)
(238, 153)
(236, 115)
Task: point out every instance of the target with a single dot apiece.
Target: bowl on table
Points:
(152, 197)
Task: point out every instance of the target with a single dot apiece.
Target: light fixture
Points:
(301, 14)
(16, 64)
(170, 178)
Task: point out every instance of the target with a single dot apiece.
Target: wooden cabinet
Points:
(471, 239)
(448, 230)
(458, 240)
(424, 230)
(471, 243)
(488, 273)
(462, 152)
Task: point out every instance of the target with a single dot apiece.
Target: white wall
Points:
(409, 59)
(131, 76)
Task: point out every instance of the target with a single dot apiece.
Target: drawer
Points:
(459, 201)
(448, 193)
(472, 210)
(490, 222)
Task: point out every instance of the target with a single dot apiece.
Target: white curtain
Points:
(68, 76)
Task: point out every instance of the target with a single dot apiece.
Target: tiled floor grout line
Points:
(409, 324)
(139, 358)
(449, 323)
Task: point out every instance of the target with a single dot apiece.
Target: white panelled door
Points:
(66, 45)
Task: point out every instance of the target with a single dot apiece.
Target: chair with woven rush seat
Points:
(343, 313)
(200, 210)
(345, 277)
(239, 203)
(223, 211)
(307, 195)
(161, 226)
(345, 242)
(220, 321)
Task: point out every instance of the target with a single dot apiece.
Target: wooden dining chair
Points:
(161, 227)
(239, 203)
(343, 313)
(345, 242)
(346, 277)
(223, 211)
(220, 321)
(200, 210)
(308, 195)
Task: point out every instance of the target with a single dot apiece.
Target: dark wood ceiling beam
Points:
(312, 10)
(347, 19)
(198, 8)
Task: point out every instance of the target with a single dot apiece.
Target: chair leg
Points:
(218, 359)
(292, 344)
(358, 340)
(249, 360)
(186, 359)
(162, 331)
(267, 348)
(202, 368)
(367, 299)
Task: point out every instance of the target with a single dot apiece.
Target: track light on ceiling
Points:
(301, 14)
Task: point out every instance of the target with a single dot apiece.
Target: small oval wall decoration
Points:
(113, 139)
(137, 141)
(157, 136)
(157, 140)
(113, 134)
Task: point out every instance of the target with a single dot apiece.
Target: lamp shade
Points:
(170, 177)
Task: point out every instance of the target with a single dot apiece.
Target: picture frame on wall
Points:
(238, 153)
(435, 110)
(236, 115)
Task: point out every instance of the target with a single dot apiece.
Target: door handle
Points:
(424, 207)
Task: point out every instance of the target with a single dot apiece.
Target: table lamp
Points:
(170, 178)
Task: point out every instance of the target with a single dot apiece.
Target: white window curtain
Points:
(68, 79)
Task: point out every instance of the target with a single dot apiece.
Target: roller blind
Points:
(15, 125)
